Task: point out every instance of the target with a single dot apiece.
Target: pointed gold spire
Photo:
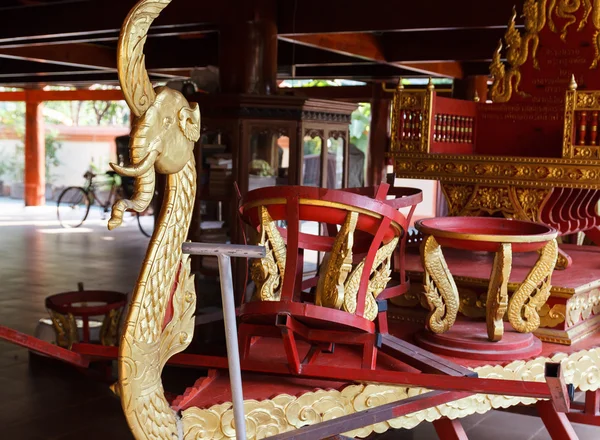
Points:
(573, 83)
(430, 85)
(476, 97)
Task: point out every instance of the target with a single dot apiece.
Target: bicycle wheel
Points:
(146, 221)
(72, 207)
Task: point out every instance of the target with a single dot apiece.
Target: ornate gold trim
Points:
(286, 413)
(497, 296)
(581, 306)
(499, 170)
(552, 316)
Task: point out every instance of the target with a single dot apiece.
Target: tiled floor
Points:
(42, 399)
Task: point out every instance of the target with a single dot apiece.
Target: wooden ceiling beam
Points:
(453, 45)
(357, 45)
(95, 17)
(89, 56)
(358, 72)
(446, 69)
(337, 16)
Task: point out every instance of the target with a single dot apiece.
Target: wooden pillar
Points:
(466, 88)
(248, 48)
(378, 136)
(35, 154)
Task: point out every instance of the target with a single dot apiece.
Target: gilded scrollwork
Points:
(337, 265)
(552, 316)
(109, 332)
(380, 276)
(532, 294)
(497, 297)
(285, 413)
(440, 288)
(268, 272)
(581, 306)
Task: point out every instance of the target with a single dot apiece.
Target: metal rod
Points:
(231, 250)
(233, 353)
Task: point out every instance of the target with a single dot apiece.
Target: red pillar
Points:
(35, 155)
(378, 136)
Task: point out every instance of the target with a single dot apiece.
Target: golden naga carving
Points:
(162, 140)
(268, 272)
(502, 88)
(534, 13)
(65, 328)
(337, 265)
(533, 293)
(497, 297)
(380, 276)
(440, 289)
(566, 9)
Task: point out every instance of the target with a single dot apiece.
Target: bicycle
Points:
(74, 202)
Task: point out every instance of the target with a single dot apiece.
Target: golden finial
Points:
(573, 83)
(400, 86)
(476, 97)
(430, 85)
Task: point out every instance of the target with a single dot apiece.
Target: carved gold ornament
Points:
(165, 131)
(380, 276)
(499, 170)
(65, 328)
(285, 413)
(581, 306)
(268, 272)
(440, 289)
(552, 316)
(566, 10)
(337, 265)
(497, 297)
(533, 292)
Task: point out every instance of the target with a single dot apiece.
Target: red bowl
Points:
(487, 233)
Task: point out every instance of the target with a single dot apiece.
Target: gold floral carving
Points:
(268, 272)
(552, 316)
(380, 276)
(497, 297)
(499, 170)
(568, 129)
(165, 131)
(513, 202)
(440, 288)
(285, 413)
(581, 306)
(337, 265)
(565, 10)
(533, 292)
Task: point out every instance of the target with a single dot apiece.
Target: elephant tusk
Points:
(139, 168)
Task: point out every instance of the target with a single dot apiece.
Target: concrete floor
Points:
(41, 399)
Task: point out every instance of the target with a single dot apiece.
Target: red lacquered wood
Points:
(366, 274)
(291, 265)
(563, 210)
(558, 425)
(43, 347)
(63, 302)
(594, 128)
(469, 340)
(447, 429)
(264, 312)
(486, 233)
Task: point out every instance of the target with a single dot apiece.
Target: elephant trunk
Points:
(142, 196)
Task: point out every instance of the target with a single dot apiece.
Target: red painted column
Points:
(35, 155)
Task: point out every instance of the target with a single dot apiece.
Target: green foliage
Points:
(360, 126)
